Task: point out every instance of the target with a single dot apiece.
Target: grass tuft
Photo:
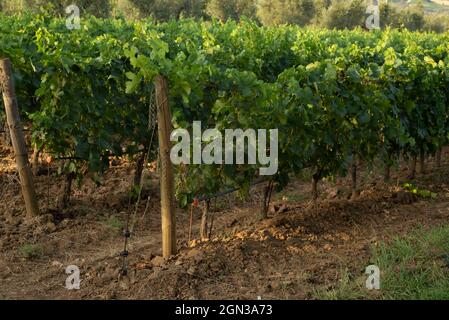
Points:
(414, 267)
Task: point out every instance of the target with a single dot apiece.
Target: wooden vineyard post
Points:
(166, 170)
(17, 138)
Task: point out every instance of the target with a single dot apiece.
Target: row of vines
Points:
(337, 97)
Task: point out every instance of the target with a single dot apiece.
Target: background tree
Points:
(231, 9)
(161, 10)
(412, 17)
(99, 8)
(275, 12)
(320, 9)
(389, 16)
(436, 23)
(127, 9)
(339, 14)
(345, 14)
(194, 8)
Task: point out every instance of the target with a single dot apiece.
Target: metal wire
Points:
(226, 192)
(131, 221)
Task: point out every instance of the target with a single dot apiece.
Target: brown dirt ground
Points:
(302, 248)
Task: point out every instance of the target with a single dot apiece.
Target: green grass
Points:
(415, 267)
(114, 223)
(347, 289)
(32, 251)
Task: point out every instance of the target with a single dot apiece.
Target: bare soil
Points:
(301, 249)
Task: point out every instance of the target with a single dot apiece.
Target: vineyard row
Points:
(336, 97)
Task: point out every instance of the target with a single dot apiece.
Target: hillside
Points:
(429, 5)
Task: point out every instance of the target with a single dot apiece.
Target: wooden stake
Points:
(17, 138)
(387, 168)
(412, 173)
(191, 223)
(315, 180)
(354, 178)
(166, 171)
(387, 172)
(204, 218)
(266, 200)
(422, 161)
(6, 135)
(438, 158)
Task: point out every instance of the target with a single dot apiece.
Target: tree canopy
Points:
(332, 14)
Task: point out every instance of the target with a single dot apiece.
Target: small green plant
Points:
(412, 267)
(114, 223)
(422, 193)
(32, 251)
(134, 193)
